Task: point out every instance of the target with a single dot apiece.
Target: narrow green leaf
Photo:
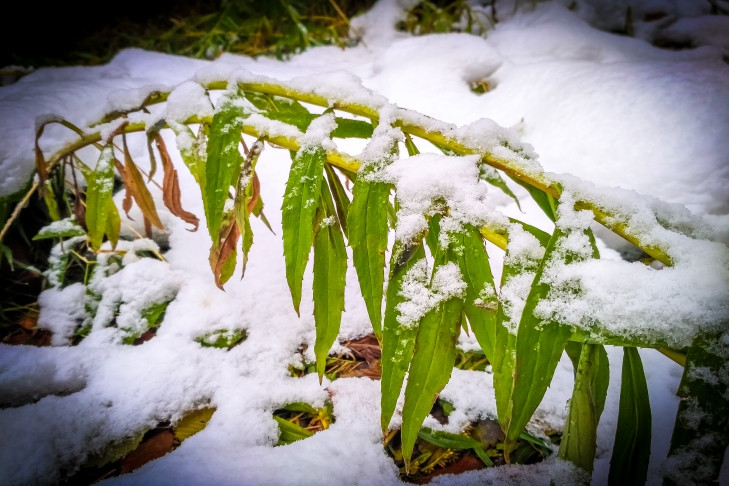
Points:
(50, 199)
(447, 440)
(347, 128)
(191, 154)
(113, 223)
(222, 162)
(517, 266)
(579, 439)
(493, 177)
(397, 340)
(431, 367)
(701, 432)
(330, 271)
(547, 203)
(290, 432)
(297, 214)
(98, 193)
(539, 344)
(64, 228)
(367, 225)
(632, 447)
(341, 200)
(410, 146)
(481, 301)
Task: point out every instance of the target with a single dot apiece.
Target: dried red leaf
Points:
(135, 187)
(219, 254)
(155, 444)
(171, 187)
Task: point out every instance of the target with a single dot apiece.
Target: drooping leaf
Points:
(171, 186)
(330, 271)
(701, 432)
(367, 232)
(492, 176)
(339, 196)
(410, 146)
(546, 202)
(223, 252)
(194, 148)
(481, 301)
(136, 188)
(98, 193)
(434, 355)
(113, 223)
(539, 343)
(632, 447)
(300, 203)
(579, 439)
(222, 162)
(397, 339)
(517, 266)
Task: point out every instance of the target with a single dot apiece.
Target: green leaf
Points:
(192, 423)
(297, 214)
(539, 344)
(65, 228)
(341, 200)
(113, 223)
(447, 440)
(347, 128)
(504, 350)
(222, 339)
(222, 162)
(191, 153)
(493, 177)
(547, 203)
(397, 340)
(290, 432)
(701, 432)
(410, 146)
(579, 439)
(367, 225)
(98, 195)
(330, 270)
(431, 367)
(632, 447)
(481, 301)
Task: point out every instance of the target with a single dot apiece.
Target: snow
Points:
(623, 116)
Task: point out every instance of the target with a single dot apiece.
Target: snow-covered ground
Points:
(609, 109)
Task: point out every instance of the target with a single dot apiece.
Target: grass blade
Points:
(632, 447)
(297, 216)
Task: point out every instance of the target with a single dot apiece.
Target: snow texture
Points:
(618, 113)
